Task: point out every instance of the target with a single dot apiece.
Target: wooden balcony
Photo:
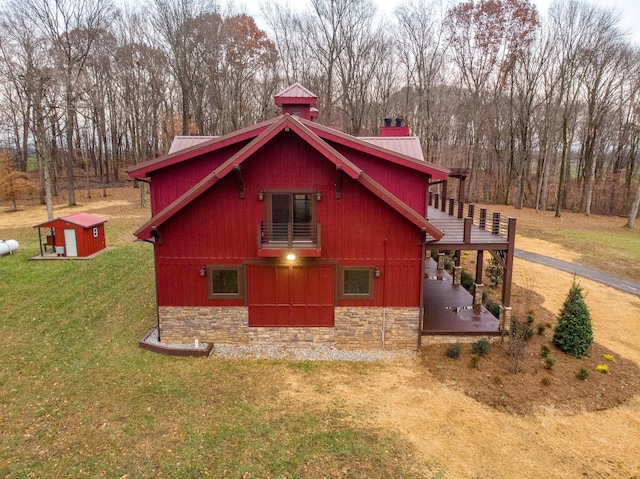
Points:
(468, 227)
(279, 239)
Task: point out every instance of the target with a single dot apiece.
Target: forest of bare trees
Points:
(542, 108)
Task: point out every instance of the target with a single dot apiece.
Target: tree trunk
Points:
(634, 210)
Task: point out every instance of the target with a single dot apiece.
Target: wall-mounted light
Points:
(261, 196)
(291, 257)
(318, 196)
(203, 271)
(376, 272)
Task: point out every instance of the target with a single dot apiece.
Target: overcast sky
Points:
(628, 9)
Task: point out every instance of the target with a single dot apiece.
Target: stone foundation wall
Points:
(449, 339)
(362, 328)
(227, 325)
(355, 328)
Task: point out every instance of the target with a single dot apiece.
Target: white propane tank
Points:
(8, 247)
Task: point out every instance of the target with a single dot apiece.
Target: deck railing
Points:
(289, 235)
(481, 217)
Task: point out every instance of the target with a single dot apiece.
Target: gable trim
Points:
(287, 123)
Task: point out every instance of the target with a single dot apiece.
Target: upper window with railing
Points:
(289, 219)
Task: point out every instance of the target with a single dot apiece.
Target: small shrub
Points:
(493, 307)
(544, 350)
(609, 357)
(481, 347)
(549, 362)
(541, 328)
(522, 329)
(453, 351)
(517, 345)
(573, 334)
(582, 374)
(495, 272)
(466, 280)
(530, 318)
(475, 359)
(545, 381)
(603, 368)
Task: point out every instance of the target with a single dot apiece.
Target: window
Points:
(356, 283)
(225, 282)
(290, 217)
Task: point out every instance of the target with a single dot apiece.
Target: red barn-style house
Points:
(290, 232)
(78, 235)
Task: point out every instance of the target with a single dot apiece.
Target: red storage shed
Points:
(73, 236)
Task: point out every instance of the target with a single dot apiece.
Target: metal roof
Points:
(182, 142)
(405, 145)
(81, 219)
(296, 91)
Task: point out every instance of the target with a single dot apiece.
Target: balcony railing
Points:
(288, 235)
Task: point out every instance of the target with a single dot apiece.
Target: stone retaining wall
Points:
(355, 328)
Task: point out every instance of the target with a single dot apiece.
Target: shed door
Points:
(70, 246)
(287, 295)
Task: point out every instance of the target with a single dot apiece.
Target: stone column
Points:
(478, 289)
(505, 318)
(457, 275)
(441, 261)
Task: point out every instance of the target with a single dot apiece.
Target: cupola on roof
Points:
(297, 100)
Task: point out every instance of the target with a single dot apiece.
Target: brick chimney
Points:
(397, 130)
(297, 100)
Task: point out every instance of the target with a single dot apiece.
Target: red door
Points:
(288, 295)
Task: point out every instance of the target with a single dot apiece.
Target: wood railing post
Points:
(436, 204)
(483, 218)
(451, 205)
(467, 229)
(472, 211)
(495, 226)
(460, 209)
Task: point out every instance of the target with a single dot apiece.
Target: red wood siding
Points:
(169, 183)
(86, 243)
(291, 295)
(220, 228)
(408, 185)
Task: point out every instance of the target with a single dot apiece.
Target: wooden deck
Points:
(469, 236)
(449, 309)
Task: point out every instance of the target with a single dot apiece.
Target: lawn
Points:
(79, 398)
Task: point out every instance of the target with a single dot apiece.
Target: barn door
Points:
(287, 295)
(70, 245)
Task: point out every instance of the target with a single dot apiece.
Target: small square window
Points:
(356, 283)
(224, 282)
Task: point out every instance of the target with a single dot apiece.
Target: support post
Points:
(457, 275)
(507, 276)
(478, 289)
(440, 261)
(444, 195)
(505, 318)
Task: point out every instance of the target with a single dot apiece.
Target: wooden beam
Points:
(338, 183)
(479, 265)
(240, 181)
(507, 277)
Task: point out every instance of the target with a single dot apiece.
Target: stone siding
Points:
(361, 328)
(355, 328)
(454, 338)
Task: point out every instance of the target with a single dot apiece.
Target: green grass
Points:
(616, 253)
(79, 398)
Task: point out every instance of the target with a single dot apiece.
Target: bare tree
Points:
(71, 27)
(422, 53)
